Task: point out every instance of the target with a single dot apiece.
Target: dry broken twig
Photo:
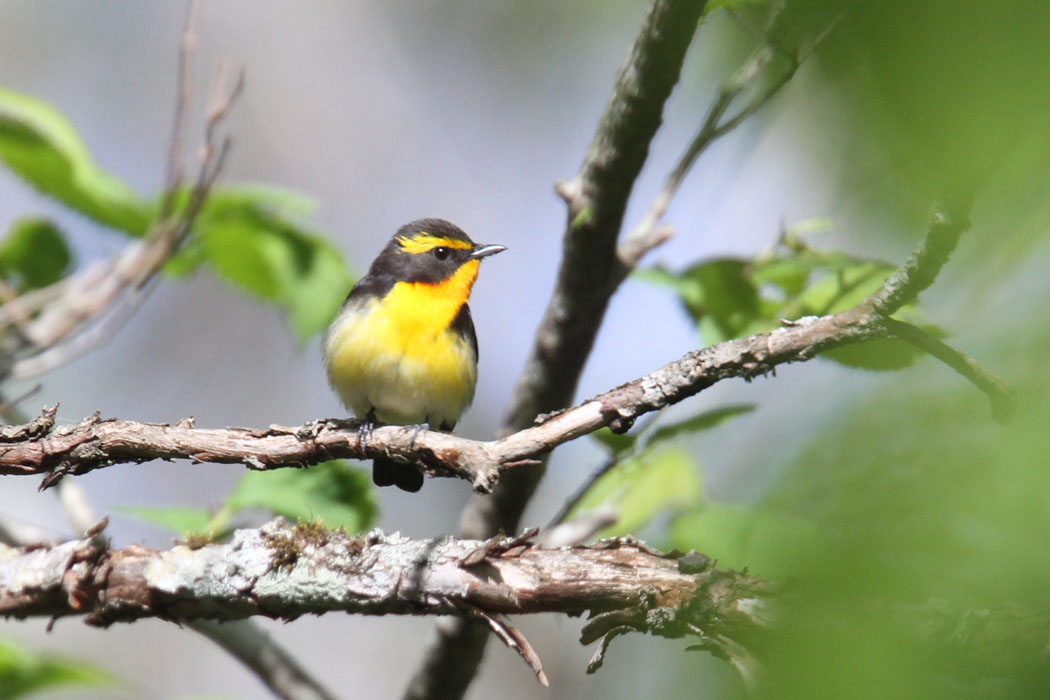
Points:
(63, 321)
(283, 571)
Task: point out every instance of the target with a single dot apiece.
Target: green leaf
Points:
(179, 519)
(881, 355)
(584, 217)
(318, 289)
(186, 260)
(340, 495)
(23, 672)
(33, 254)
(731, 5)
(849, 284)
(279, 201)
(699, 422)
(789, 274)
(660, 276)
(729, 298)
(641, 487)
(615, 443)
(250, 240)
(717, 294)
(40, 146)
(741, 536)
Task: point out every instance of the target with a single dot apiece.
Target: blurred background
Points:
(386, 112)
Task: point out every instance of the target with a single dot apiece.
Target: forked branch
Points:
(39, 447)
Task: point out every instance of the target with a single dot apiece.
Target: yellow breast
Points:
(399, 355)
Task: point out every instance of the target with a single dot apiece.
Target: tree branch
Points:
(41, 447)
(256, 649)
(282, 571)
(949, 221)
(80, 313)
(998, 393)
(647, 234)
(589, 271)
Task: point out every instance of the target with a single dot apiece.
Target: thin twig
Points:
(255, 648)
(576, 496)
(999, 394)
(32, 301)
(949, 221)
(648, 233)
(78, 510)
(15, 533)
(183, 95)
(515, 641)
(111, 299)
(604, 468)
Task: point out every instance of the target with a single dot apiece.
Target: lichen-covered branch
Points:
(283, 571)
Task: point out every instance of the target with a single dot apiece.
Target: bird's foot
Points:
(417, 430)
(364, 431)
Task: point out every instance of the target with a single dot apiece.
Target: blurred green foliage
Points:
(648, 473)
(921, 502)
(941, 95)
(33, 254)
(338, 495)
(911, 500)
(334, 492)
(909, 537)
(733, 297)
(40, 146)
(641, 486)
(249, 236)
(184, 520)
(24, 673)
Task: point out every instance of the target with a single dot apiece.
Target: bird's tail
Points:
(387, 472)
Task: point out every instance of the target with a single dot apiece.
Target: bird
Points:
(402, 350)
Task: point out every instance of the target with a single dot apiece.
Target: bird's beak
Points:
(483, 251)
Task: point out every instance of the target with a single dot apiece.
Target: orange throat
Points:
(423, 309)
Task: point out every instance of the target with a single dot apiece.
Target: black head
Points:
(428, 250)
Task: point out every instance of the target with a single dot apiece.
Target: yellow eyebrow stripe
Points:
(423, 242)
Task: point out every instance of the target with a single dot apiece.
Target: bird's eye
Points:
(441, 252)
